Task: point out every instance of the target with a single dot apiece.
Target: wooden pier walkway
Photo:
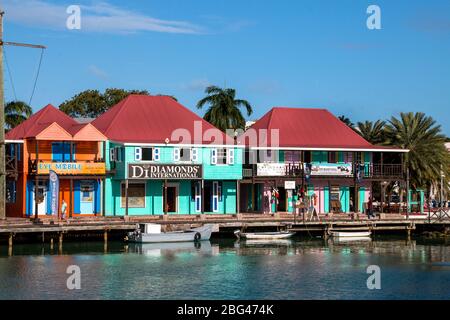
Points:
(23, 227)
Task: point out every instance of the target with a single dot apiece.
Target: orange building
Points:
(48, 141)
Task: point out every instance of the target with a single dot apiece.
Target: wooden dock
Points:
(47, 229)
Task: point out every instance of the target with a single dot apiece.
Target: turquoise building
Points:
(164, 159)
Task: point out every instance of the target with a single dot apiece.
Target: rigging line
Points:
(10, 75)
(37, 76)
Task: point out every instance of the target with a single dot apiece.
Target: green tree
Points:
(16, 112)
(347, 121)
(223, 108)
(372, 131)
(428, 155)
(92, 103)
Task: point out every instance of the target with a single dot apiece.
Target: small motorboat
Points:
(263, 235)
(151, 233)
(350, 234)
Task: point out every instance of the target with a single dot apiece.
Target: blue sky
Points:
(274, 52)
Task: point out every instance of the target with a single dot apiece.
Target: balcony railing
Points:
(297, 170)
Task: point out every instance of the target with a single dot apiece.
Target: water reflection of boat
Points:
(350, 234)
(158, 249)
(273, 242)
(351, 239)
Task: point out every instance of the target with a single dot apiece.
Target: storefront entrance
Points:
(41, 198)
(172, 198)
(282, 200)
(87, 197)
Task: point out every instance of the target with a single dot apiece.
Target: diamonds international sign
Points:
(164, 171)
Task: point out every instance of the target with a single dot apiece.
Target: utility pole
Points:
(2, 116)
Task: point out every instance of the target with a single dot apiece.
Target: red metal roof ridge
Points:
(119, 105)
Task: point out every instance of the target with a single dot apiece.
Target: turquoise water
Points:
(225, 269)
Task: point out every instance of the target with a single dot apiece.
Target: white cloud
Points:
(196, 84)
(97, 72)
(99, 17)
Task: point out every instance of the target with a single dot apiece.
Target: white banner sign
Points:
(331, 169)
(271, 169)
(289, 185)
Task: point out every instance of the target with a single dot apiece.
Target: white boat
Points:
(350, 234)
(263, 235)
(151, 233)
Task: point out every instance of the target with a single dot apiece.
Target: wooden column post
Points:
(36, 181)
(104, 182)
(202, 186)
(355, 195)
(126, 197)
(238, 185)
(165, 196)
(70, 206)
(382, 197)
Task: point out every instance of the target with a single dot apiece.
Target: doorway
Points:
(172, 198)
(282, 201)
(41, 199)
(354, 199)
(87, 197)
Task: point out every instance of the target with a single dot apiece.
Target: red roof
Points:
(153, 119)
(39, 121)
(304, 128)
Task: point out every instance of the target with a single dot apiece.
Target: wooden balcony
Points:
(297, 170)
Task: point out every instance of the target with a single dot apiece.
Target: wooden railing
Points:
(368, 171)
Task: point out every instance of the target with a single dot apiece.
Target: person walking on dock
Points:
(63, 209)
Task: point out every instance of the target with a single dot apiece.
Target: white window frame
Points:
(226, 157)
(194, 154)
(138, 154)
(112, 155)
(230, 156)
(214, 156)
(215, 196)
(156, 154)
(176, 154)
(198, 196)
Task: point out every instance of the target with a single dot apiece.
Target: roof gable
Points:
(302, 128)
(87, 132)
(153, 119)
(39, 121)
(54, 132)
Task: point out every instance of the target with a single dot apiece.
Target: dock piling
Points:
(10, 240)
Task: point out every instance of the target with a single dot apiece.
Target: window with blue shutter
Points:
(156, 153)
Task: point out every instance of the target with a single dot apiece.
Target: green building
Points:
(163, 158)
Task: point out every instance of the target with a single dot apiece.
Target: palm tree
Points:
(223, 111)
(347, 121)
(372, 132)
(16, 112)
(428, 157)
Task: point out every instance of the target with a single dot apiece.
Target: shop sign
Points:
(71, 168)
(164, 171)
(271, 169)
(331, 169)
(289, 185)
